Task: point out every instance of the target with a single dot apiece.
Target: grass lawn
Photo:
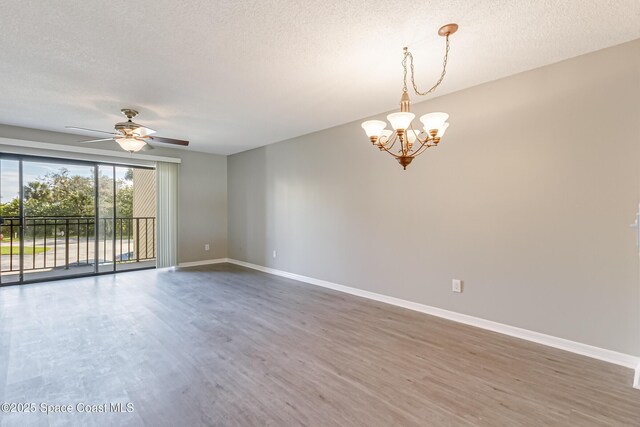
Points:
(15, 250)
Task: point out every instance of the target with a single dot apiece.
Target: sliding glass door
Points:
(58, 219)
(10, 221)
(62, 218)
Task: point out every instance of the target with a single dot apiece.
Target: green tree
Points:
(62, 194)
(59, 194)
(124, 200)
(11, 208)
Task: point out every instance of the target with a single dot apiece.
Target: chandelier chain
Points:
(408, 55)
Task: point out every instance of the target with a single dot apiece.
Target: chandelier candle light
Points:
(411, 142)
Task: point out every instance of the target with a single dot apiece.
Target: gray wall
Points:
(203, 190)
(528, 200)
(203, 206)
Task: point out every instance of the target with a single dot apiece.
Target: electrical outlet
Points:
(275, 254)
(207, 247)
(456, 285)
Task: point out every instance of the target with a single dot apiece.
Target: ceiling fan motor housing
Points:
(127, 127)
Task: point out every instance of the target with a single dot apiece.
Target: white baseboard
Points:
(610, 356)
(203, 262)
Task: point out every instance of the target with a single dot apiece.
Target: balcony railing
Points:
(70, 241)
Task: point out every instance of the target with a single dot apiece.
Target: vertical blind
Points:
(167, 211)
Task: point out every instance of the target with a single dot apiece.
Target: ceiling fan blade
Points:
(168, 140)
(92, 130)
(144, 131)
(147, 147)
(97, 140)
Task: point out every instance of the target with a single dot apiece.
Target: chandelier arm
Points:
(422, 144)
(388, 150)
(423, 147)
(388, 146)
(417, 134)
(413, 82)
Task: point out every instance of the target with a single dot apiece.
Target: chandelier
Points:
(404, 142)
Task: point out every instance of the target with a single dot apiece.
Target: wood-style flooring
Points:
(224, 345)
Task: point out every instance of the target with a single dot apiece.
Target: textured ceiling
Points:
(232, 75)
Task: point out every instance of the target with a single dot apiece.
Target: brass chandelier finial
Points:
(434, 124)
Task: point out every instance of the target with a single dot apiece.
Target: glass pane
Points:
(106, 252)
(9, 221)
(135, 218)
(59, 216)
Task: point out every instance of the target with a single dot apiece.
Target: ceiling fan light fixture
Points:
(131, 145)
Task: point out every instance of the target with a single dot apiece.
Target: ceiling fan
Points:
(131, 136)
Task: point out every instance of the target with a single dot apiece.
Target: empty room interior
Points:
(320, 213)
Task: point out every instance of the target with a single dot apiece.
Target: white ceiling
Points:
(232, 75)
